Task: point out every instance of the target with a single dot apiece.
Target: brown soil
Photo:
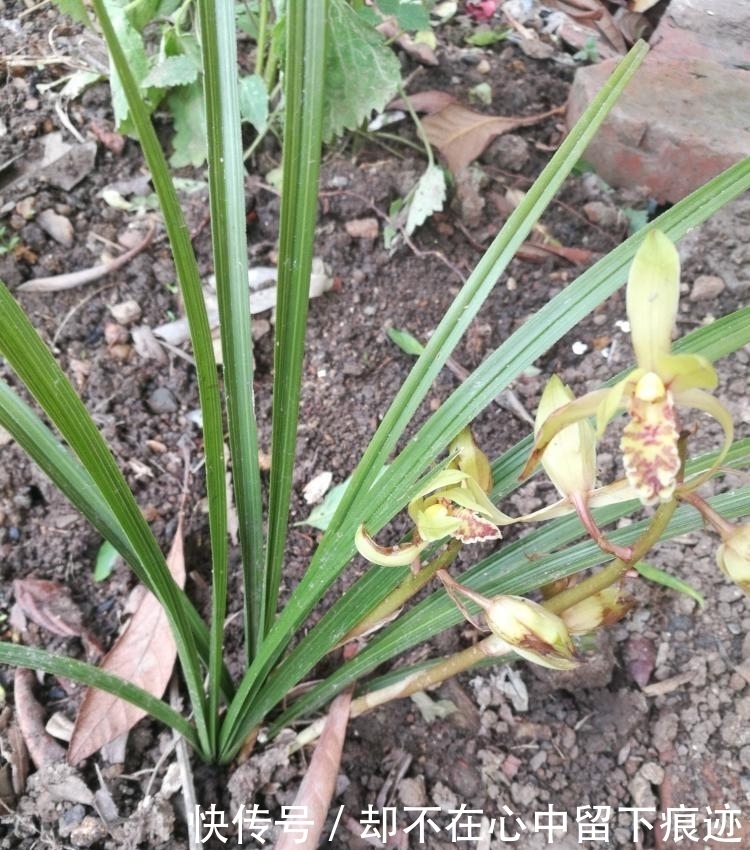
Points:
(590, 738)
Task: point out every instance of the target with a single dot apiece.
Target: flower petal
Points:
(701, 400)
(649, 445)
(570, 458)
(386, 556)
(568, 414)
(686, 372)
(653, 294)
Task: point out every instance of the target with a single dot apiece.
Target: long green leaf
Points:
(227, 199)
(337, 545)
(303, 93)
(87, 674)
(45, 380)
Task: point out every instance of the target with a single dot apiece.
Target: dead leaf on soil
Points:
(51, 606)
(43, 748)
(144, 654)
(460, 134)
(317, 787)
(424, 101)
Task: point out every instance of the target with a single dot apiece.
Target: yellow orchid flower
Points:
(651, 392)
(454, 503)
(569, 459)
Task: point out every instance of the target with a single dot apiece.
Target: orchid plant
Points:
(454, 504)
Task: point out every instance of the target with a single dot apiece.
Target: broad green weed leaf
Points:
(322, 514)
(190, 144)
(106, 559)
(666, 579)
(135, 52)
(76, 9)
(411, 15)
(172, 71)
(141, 12)
(254, 101)
(429, 197)
(405, 341)
(486, 37)
(362, 72)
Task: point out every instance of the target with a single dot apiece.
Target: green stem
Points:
(614, 571)
(408, 588)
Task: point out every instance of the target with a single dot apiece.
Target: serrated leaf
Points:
(190, 143)
(76, 9)
(429, 197)
(362, 73)
(172, 71)
(254, 101)
(654, 574)
(405, 341)
(106, 559)
(135, 53)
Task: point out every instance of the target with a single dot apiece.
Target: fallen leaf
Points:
(51, 606)
(428, 198)
(43, 748)
(362, 228)
(144, 654)
(317, 487)
(460, 134)
(424, 101)
(317, 787)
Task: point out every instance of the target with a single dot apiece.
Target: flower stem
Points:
(413, 583)
(616, 569)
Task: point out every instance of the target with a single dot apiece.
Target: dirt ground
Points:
(657, 720)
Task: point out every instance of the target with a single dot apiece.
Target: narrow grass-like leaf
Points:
(665, 579)
(303, 93)
(87, 674)
(37, 368)
(226, 187)
(395, 488)
(68, 475)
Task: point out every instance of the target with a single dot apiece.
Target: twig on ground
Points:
(60, 282)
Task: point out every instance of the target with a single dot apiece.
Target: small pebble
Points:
(706, 287)
(161, 400)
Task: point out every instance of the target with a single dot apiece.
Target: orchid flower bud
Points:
(733, 556)
(601, 609)
(533, 632)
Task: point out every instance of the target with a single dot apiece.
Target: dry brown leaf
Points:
(317, 787)
(144, 654)
(460, 134)
(424, 101)
(51, 606)
(42, 747)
